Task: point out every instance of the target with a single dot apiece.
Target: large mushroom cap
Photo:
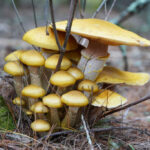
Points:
(14, 56)
(74, 98)
(103, 31)
(14, 68)
(62, 79)
(51, 62)
(88, 85)
(52, 100)
(39, 38)
(40, 125)
(109, 99)
(32, 58)
(33, 91)
(113, 75)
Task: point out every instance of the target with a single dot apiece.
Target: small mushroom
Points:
(74, 99)
(53, 101)
(40, 126)
(18, 101)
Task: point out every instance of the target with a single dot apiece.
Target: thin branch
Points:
(87, 133)
(99, 8)
(133, 9)
(46, 16)
(112, 6)
(34, 13)
(126, 106)
(18, 16)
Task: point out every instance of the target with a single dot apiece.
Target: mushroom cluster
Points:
(74, 87)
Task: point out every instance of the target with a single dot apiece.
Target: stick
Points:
(34, 13)
(46, 16)
(18, 16)
(87, 133)
(127, 106)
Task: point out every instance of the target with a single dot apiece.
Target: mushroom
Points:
(19, 101)
(62, 79)
(100, 34)
(14, 56)
(33, 60)
(40, 125)
(53, 101)
(34, 92)
(15, 69)
(107, 99)
(74, 99)
(112, 75)
(88, 87)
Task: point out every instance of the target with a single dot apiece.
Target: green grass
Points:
(6, 121)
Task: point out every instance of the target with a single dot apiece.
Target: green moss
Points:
(6, 121)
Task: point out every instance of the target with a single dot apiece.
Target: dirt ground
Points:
(138, 58)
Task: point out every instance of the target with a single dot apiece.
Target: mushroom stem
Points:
(35, 75)
(18, 83)
(93, 59)
(54, 117)
(70, 118)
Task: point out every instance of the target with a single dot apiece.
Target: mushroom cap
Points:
(51, 62)
(103, 31)
(18, 101)
(14, 56)
(32, 58)
(76, 73)
(74, 98)
(52, 100)
(14, 68)
(33, 91)
(108, 99)
(62, 79)
(40, 125)
(38, 37)
(74, 55)
(113, 75)
(88, 85)
(28, 112)
(39, 107)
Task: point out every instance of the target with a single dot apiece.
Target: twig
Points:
(112, 6)
(46, 16)
(87, 133)
(127, 106)
(34, 13)
(18, 16)
(99, 8)
(133, 9)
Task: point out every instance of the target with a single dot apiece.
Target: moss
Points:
(6, 121)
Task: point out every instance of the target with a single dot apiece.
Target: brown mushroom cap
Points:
(51, 62)
(33, 91)
(32, 58)
(14, 68)
(74, 98)
(62, 79)
(39, 38)
(88, 85)
(103, 31)
(40, 125)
